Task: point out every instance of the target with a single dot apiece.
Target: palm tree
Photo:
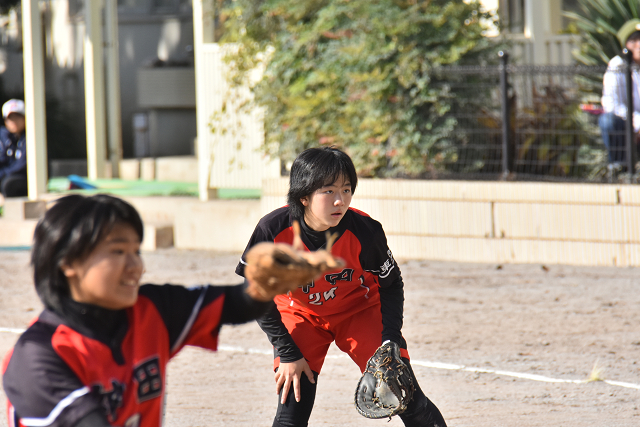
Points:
(597, 24)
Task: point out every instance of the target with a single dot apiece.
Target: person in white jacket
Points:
(614, 96)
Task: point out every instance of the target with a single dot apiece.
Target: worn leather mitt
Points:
(277, 268)
(385, 388)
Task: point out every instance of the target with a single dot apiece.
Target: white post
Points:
(35, 112)
(543, 18)
(203, 11)
(94, 90)
(114, 120)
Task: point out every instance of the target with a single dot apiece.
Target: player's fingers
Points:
(296, 388)
(279, 382)
(285, 390)
(309, 372)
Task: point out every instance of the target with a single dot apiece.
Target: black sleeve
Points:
(376, 257)
(37, 381)
(94, 419)
(205, 307)
(392, 308)
(271, 321)
(271, 324)
(180, 306)
(266, 230)
(239, 307)
(260, 234)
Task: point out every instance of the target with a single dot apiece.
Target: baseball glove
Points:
(277, 268)
(385, 388)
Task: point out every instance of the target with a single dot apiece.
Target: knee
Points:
(606, 122)
(609, 122)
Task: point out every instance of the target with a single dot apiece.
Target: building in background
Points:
(157, 78)
(156, 71)
(538, 28)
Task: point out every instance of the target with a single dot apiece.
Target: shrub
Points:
(357, 74)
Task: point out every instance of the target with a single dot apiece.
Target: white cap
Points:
(12, 106)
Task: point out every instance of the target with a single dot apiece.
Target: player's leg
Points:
(296, 414)
(420, 412)
(313, 342)
(612, 132)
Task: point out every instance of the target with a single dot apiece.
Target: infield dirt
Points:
(549, 322)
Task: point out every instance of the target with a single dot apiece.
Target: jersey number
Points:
(318, 298)
(147, 374)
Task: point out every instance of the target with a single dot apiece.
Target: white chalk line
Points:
(452, 367)
(12, 330)
(532, 377)
(433, 365)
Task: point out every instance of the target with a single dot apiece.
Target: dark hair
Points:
(314, 168)
(69, 231)
(633, 36)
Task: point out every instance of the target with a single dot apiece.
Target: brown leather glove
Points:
(277, 268)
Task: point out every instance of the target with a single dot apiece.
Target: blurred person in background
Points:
(614, 96)
(13, 150)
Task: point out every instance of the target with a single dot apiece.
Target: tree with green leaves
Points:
(358, 74)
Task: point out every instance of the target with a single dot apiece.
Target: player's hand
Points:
(290, 373)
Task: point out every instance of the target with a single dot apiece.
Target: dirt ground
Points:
(475, 331)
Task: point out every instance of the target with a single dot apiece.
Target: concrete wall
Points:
(485, 222)
(228, 142)
(219, 225)
(499, 222)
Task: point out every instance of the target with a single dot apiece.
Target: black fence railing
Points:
(525, 122)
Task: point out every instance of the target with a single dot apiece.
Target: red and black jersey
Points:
(370, 270)
(361, 243)
(65, 367)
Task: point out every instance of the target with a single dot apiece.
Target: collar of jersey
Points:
(315, 240)
(101, 324)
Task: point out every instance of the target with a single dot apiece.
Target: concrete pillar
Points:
(543, 18)
(94, 90)
(114, 120)
(35, 112)
(203, 32)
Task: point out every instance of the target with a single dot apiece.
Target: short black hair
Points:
(633, 36)
(69, 231)
(314, 168)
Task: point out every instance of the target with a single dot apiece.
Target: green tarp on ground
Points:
(139, 188)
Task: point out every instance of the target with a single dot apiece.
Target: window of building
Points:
(512, 16)
(153, 7)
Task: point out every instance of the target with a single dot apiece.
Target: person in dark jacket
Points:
(13, 150)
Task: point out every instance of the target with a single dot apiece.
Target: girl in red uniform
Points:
(358, 307)
(97, 355)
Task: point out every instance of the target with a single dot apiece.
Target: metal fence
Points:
(525, 122)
